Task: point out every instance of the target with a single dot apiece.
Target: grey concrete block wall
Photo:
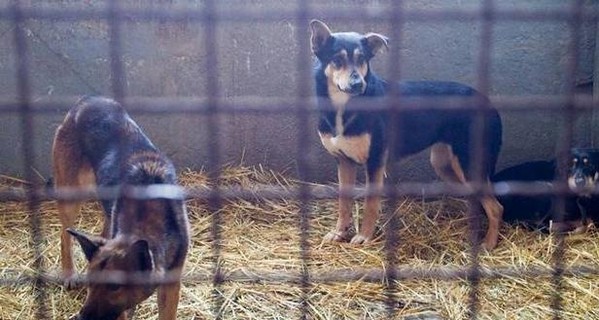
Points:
(258, 59)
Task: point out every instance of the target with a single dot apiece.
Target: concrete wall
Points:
(258, 59)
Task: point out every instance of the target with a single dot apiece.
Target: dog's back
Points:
(99, 134)
(451, 126)
(107, 135)
(528, 171)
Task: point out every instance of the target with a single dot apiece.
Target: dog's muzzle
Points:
(354, 91)
(579, 181)
(356, 84)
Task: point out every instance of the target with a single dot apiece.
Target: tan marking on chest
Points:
(355, 148)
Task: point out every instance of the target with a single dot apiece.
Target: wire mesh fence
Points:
(212, 14)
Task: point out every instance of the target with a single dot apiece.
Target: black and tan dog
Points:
(98, 143)
(541, 212)
(361, 137)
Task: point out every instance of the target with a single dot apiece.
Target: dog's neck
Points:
(339, 100)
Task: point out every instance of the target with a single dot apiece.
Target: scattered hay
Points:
(263, 236)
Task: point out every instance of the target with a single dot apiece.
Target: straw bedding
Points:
(263, 236)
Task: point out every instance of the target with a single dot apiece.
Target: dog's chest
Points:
(337, 143)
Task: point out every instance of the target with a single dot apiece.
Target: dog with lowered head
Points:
(143, 238)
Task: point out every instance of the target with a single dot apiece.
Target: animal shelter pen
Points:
(210, 16)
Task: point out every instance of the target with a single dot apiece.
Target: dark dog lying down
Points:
(541, 212)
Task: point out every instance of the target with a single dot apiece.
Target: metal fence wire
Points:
(210, 15)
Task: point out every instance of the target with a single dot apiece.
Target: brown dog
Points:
(98, 143)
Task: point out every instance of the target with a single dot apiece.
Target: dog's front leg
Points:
(168, 300)
(374, 183)
(346, 172)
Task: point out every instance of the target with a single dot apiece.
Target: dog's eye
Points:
(575, 160)
(113, 286)
(337, 62)
(360, 60)
(585, 160)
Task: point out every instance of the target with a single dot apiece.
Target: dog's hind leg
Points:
(70, 170)
(494, 211)
(447, 166)
(347, 172)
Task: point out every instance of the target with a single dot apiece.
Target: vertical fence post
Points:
(479, 155)
(210, 24)
(563, 147)
(27, 133)
(392, 238)
(118, 73)
(304, 66)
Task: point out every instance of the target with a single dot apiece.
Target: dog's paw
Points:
(580, 230)
(336, 236)
(489, 244)
(360, 239)
(70, 282)
(565, 227)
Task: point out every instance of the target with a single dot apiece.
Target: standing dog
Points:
(540, 212)
(98, 143)
(360, 137)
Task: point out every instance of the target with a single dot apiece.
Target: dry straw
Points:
(262, 237)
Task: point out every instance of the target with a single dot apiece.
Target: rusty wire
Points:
(273, 105)
(266, 15)
(374, 275)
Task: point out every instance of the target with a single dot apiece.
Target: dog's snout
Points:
(579, 180)
(355, 82)
(356, 86)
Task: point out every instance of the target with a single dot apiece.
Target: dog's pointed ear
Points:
(320, 34)
(376, 42)
(89, 244)
(139, 257)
